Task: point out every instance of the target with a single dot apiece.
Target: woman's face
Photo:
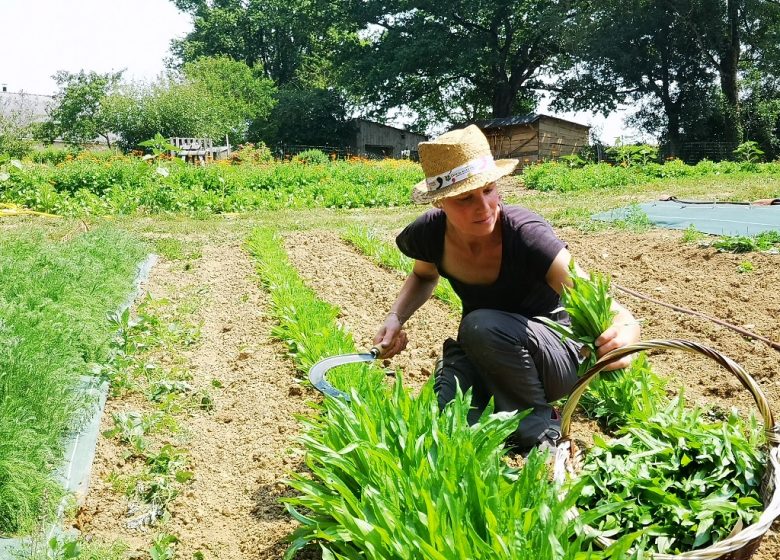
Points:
(474, 212)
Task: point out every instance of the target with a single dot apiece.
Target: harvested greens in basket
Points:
(693, 480)
(679, 477)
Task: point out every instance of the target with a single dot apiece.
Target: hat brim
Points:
(421, 194)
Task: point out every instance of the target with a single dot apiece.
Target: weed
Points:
(764, 241)
(635, 220)
(745, 266)
(175, 249)
(163, 547)
(692, 235)
(62, 549)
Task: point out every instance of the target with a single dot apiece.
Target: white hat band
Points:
(469, 169)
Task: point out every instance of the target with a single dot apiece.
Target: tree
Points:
(305, 116)
(242, 92)
(210, 98)
(273, 35)
(78, 114)
(449, 61)
(725, 31)
(17, 116)
(639, 53)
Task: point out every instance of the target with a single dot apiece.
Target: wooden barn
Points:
(382, 141)
(534, 137)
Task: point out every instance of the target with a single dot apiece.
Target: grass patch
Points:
(54, 301)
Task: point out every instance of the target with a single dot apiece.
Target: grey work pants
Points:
(518, 362)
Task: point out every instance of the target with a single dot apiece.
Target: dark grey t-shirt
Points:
(529, 248)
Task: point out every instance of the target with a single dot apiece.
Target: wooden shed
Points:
(531, 138)
(380, 140)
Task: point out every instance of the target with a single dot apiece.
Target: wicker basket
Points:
(741, 544)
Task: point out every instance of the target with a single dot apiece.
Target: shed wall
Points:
(372, 136)
(519, 142)
(557, 138)
(542, 139)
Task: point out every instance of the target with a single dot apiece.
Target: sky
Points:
(40, 37)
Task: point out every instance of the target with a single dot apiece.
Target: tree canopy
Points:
(78, 115)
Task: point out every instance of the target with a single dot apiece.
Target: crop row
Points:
(391, 477)
(130, 185)
(54, 301)
(677, 479)
(94, 184)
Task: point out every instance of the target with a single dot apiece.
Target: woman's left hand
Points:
(617, 336)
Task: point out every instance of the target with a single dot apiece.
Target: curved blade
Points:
(318, 371)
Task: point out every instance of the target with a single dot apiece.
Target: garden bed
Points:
(243, 520)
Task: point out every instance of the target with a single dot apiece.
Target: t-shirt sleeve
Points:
(541, 244)
(418, 239)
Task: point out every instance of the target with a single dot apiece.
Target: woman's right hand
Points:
(391, 338)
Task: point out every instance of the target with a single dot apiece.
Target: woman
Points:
(508, 267)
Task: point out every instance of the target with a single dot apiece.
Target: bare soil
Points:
(242, 451)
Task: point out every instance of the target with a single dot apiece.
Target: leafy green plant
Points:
(159, 145)
(252, 153)
(630, 154)
(749, 152)
(745, 266)
(59, 549)
(163, 547)
(636, 219)
(691, 478)
(692, 235)
(763, 241)
(616, 395)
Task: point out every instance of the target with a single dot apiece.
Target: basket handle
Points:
(772, 431)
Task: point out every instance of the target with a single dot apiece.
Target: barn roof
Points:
(389, 126)
(520, 120)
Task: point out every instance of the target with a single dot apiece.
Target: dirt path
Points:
(240, 451)
(364, 293)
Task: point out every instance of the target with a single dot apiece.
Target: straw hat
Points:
(456, 162)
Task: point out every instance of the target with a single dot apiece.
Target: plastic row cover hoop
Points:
(739, 546)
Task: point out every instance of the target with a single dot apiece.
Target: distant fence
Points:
(694, 152)
(288, 151)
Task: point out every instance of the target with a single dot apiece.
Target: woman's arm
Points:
(624, 329)
(417, 289)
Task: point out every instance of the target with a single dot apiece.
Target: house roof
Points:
(520, 120)
(24, 108)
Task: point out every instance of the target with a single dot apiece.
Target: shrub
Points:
(749, 152)
(252, 153)
(311, 157)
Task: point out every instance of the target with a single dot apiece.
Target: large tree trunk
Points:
(673, 130)
(503, 100)
(729, 78)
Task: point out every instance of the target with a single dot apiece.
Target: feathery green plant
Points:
(54, 300)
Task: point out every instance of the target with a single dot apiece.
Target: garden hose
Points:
(740, 330)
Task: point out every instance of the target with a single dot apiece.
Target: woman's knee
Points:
(489, 328)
